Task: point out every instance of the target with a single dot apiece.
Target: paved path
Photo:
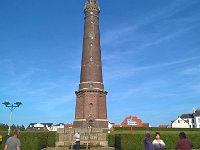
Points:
(103, 148)
(66, 148)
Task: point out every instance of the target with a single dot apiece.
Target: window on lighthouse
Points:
(91, 59)
(92, 1)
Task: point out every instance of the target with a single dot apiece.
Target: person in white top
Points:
(158, 144)
(77, 138)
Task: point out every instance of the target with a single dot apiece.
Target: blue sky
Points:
(150, 55)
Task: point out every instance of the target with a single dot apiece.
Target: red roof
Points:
(69, 126)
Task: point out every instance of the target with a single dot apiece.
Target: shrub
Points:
(135, 141)
(129, 142)
(51, 140)
(34, 140)
(4, 134)
(157, 129)
(111, 140)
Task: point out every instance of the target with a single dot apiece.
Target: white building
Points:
(197, 118)
(189, 118)
(193, 120)
(180, 123)
(58, 126)
(110, 125)
(40, 127)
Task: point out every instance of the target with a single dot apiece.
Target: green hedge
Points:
(129, 142)
(111, 140)
(4, 134)
(34, 140)
(135, 142)
(157, 129)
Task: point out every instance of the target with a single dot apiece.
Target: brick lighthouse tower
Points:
(91, 108)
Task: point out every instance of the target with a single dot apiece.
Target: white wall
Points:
(189, 121)
(55, 128)
(109, 125)
(38, 125)
(197, 121)
(180, 123)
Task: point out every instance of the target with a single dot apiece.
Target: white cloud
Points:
(194, 70)
(120, 71)
(129, 34)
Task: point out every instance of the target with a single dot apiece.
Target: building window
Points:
(198, 120)
(91, 35)
(91, 58)
(178, 121)
(192, 120)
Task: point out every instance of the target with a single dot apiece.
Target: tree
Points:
(3, 127)
(22, 128)
(13, 127)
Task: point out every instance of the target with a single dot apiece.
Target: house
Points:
(164, 126)
(40, 127)
(193, 120)
(180, 123)
(197, 118)
(189, 118)
(68, 126)
(58, 126)
(147, 125)
(110, 125)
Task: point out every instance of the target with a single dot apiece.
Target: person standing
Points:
(13, 143)
(1, 139)
(158, 144)
(147, 142)
(77, 138)
(183, 143)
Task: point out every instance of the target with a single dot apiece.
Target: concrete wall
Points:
(92, 135)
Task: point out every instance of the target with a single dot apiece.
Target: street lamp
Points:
(11, 107)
